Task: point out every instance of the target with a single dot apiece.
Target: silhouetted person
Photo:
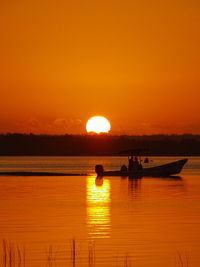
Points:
(138, 165)
(134, 164)
(123, 168)
(130, 163)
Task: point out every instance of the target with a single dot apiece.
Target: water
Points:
(111, 222)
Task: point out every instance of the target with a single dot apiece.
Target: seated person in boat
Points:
(124, 169)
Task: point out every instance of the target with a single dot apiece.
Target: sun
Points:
(98, 124)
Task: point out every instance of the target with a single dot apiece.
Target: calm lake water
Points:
(84, 221)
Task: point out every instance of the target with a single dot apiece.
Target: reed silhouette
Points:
(182, 259)
(14, 256)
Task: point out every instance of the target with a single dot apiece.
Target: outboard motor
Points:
(99, 169)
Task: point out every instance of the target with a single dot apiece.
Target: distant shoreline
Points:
(14, 173)
(98, 145)
(20, 156)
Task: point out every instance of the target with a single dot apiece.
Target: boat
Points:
(165, 170)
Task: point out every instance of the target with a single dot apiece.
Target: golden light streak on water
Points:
(98, 207)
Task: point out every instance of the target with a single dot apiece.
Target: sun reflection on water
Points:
(98, 207)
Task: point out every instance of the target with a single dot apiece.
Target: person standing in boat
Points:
(130, 163)
(138, 164)
(134, 164)
(136, 161)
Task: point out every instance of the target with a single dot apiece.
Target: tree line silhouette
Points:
(97, 145)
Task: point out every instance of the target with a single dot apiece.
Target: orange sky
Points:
(135, 62)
